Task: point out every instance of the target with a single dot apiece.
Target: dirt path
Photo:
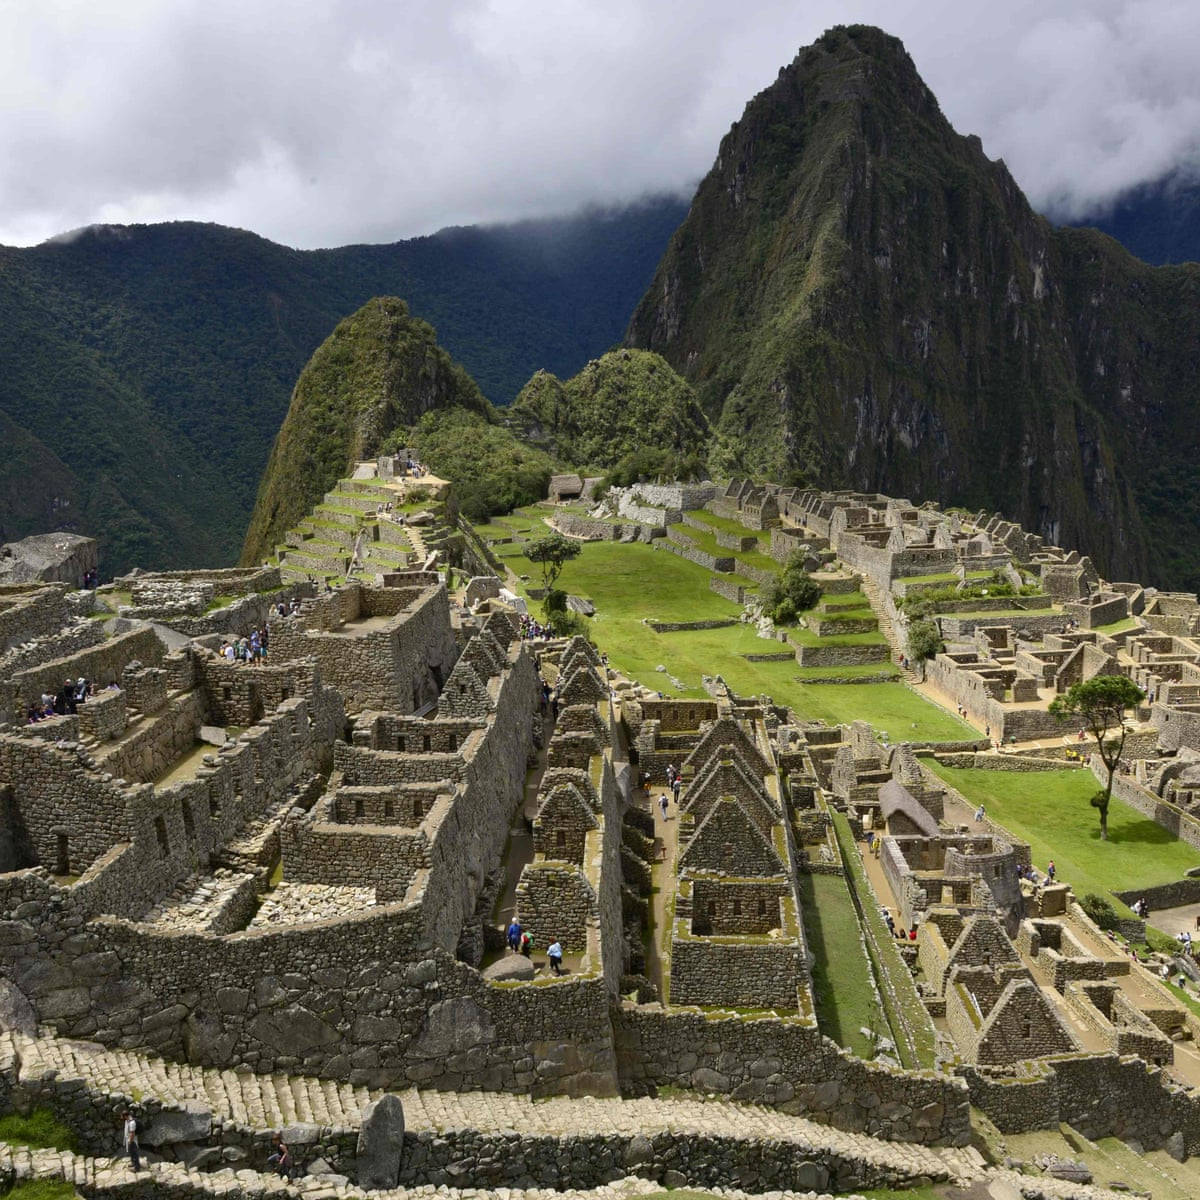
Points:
(662, 877)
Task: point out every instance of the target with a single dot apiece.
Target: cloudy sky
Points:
(321, 122)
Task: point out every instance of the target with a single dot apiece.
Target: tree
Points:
(924, 642)
(794, 592)
(1101, 703)
(552, 552)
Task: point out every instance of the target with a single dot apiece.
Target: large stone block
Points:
(191, 1123)
(381, 1143)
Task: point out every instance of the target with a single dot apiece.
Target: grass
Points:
(806, 637)
(1126, 623)
(1050, 811)
(708, 543)
(40, 1130)
(843, 987)
(728, 525)
(943, 577)
(41, 1189)
(628, 582)
(911, 1028)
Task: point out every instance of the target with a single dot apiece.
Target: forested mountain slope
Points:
(861, 298)
(145, 370)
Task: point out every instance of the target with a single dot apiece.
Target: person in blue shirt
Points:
(514, 935)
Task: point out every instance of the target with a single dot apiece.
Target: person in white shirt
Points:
(554, 953)
(129, 1137)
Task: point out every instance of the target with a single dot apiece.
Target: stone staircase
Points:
(887, 626)
(275, 1101)
(278, 1101)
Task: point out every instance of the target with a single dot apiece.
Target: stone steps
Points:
(887, 626)
(276, 1101)
(272, 1101)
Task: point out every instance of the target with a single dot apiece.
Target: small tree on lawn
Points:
(924, 642)
(1101, 703)
(553, 553)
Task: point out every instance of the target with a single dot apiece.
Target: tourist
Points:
(675, 789)
(662, 801)
(514, 935)
(129, 1139)
(670, 774)
(554, 953)
(1050, 870)
(979, 813)
(526, 944)
(280, 1159)
(912, 934)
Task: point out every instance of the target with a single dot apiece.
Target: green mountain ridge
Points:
(147, 369)
(860, 297)
(621, 403)
(381, 369)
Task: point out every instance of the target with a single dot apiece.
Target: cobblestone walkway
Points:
(275, 1101)
(97, 1177)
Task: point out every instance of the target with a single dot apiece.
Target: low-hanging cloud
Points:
(367, 120)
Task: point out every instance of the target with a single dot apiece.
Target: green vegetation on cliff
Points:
(381, 369)
(622, 404)
(492, 471)
(860, 296)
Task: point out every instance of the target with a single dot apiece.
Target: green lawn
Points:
(1119, 626)
(1050, 811)
(843, 986)
(708, 543)
(806, 637)
(40, 1130)
(630, 581)
(727, 525)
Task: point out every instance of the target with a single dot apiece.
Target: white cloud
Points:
(319, 124)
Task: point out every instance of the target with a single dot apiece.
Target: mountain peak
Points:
(859, 296)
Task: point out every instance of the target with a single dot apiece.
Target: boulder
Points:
(16, 1012)
(190, 1123)
(381, 1143)
(581, 605)
(511, 966)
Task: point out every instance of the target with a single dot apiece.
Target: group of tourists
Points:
(533, 630)
(897, 933)
(519, 942)
(252, 649)
(64, 702)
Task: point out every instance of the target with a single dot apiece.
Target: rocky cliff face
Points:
(863, 299)
(380, 370)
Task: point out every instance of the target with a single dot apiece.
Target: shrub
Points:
(1099, 910)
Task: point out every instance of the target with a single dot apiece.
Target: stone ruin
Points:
(280, 884)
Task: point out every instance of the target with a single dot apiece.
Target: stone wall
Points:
(1172, 818)
(158, 742)
(789, 1064)
(840, 656)
(735, 971)
(30, 611)
(681, 544)
(400, 667)
(102, 664)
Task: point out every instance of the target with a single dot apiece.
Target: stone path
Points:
(96, 1177)
(297, 903)
(197, 901)
(277, 1101)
